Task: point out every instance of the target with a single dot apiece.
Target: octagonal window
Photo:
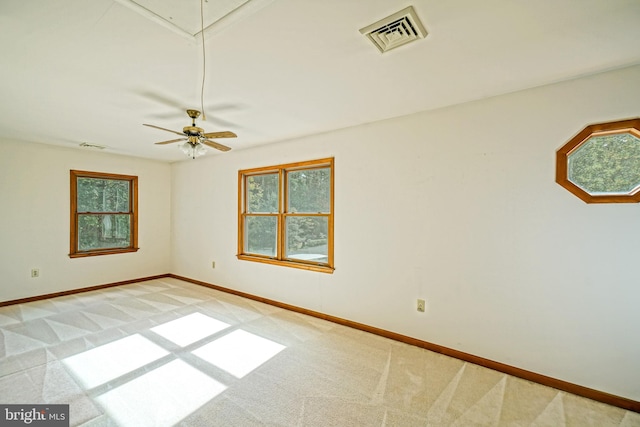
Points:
(601, 164)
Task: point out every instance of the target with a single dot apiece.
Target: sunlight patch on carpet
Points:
(107, 362)
(189, 329)
(161, 397)
(239, 352)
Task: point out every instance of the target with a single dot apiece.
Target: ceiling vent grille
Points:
(396, 30)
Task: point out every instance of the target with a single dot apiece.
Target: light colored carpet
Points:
(166, 352)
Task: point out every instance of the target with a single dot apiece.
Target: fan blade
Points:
(216, 121)
(168, 130)
(164, 100)
(170, 141)
(224, 134)
(215, 145)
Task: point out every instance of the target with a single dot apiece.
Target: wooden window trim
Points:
(133, 213)
(600, 129)
(282, 214)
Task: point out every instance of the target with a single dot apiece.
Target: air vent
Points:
(400, 28)
(93, 146)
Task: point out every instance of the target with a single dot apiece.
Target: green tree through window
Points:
(608, 164)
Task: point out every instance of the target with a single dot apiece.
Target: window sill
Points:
(291, 264)
(102, 252)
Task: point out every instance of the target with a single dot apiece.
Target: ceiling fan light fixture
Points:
(193, 150)
(199, 150)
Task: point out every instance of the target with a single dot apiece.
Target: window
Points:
(601, 164)
(285, 215)
(104, 213)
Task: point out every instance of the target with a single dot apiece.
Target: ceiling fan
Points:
(195, 137)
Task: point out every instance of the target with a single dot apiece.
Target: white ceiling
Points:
(78, 71)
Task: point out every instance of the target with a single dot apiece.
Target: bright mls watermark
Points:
(34, 415)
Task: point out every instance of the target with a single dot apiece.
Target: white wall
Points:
(458, 206)
(34, 225)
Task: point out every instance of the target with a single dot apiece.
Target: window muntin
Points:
(601, 164)
(286, 215)
(103, 213)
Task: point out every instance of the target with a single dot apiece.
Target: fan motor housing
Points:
(192, 130)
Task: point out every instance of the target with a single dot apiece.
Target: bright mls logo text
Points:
(39, 415)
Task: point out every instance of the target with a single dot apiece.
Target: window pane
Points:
(103, 195)
(607, 164)
(260, 235)
(307, 238)
(103, 231)
(309, 190)
(262, 193)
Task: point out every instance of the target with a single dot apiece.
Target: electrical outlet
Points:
(420, 305)
(35, 272)
(213, 264)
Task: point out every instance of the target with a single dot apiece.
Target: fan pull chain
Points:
(204, 60)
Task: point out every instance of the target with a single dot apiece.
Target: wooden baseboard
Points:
(610, 399)
(568, 387)
(80, 290)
